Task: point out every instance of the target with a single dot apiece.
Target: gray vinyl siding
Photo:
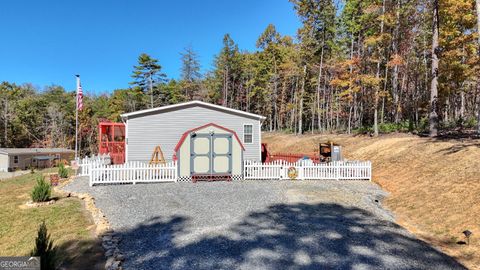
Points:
(4, 162)
(25, 160)
(144, 132)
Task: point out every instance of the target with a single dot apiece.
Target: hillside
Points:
(434, 184)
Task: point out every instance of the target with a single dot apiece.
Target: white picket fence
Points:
(84, 163)
(132, 172)
(99, 171)
(307, 170)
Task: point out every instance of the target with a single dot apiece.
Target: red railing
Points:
(290, 157)
(111, 140)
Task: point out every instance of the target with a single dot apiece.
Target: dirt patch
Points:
(434, 183)
(30, 204)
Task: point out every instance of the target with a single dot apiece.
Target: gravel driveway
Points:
(260, 225)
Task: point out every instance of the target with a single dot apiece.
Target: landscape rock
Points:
(109, 253)
(120, 257)
(107, 237)
(109, 263)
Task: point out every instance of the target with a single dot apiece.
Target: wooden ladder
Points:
(157, 156)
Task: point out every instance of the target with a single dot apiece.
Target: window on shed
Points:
(248, 133)
(15, 159)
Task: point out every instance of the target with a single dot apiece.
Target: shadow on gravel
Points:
(297, 236)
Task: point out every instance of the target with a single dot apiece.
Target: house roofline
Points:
(194, 102)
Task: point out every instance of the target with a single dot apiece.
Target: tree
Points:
(227, 64)
(477, 4)
(190, 73)
(316, 36)
(45, 249)
(148, 75)
(433, 117)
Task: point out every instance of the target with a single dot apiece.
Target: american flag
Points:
(79, 94)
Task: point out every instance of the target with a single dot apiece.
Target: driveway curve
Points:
(260, 225)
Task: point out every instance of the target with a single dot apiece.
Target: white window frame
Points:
(243, 131)
(17, 158)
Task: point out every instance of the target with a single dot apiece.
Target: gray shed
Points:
(165, 126)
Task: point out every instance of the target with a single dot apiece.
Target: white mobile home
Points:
(203, 137)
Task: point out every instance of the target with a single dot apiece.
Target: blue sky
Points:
(47, 42)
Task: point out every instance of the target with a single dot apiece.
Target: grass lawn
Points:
(69, 224)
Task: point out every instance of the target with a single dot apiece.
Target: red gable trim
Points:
(185, 135)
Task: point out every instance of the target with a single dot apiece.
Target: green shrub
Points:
(363, 130)
(62, 171)
(423, 125)
(41, 191)
(388, 128)
(44, 249)
(471, 122)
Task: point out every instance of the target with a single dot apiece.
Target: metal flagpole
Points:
(76, 117)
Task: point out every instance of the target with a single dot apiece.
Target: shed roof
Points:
(18, 151)
(186, 133)
(193, 103)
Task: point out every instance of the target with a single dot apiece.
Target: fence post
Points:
(90, 174)
(337, 170)
(369, 171)
(137, 166)
(175, 164)
(300, 171)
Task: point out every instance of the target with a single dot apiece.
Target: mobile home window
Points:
(248, 133)
(15, 159)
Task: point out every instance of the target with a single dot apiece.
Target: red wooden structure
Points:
(288, 157)
(111, 140)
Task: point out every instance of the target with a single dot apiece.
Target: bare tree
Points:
(478, 75)
(433, 118)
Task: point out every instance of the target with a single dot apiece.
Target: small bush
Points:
(363, 130)
(41, 191)
(32, 169)
(62, 171)
(44, 249)
(471, 122)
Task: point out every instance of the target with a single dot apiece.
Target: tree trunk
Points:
(318, 90)
(300, 109)
(395, 45)
(150, 85)
(478, 74)
(433, 118)
(377, 76)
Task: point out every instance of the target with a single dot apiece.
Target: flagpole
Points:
(76, 117)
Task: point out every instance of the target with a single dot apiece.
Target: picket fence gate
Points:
(307, 170)
(132, 172)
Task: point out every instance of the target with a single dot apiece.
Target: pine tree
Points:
(190, 73)
(148, 75)
(45, 249)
